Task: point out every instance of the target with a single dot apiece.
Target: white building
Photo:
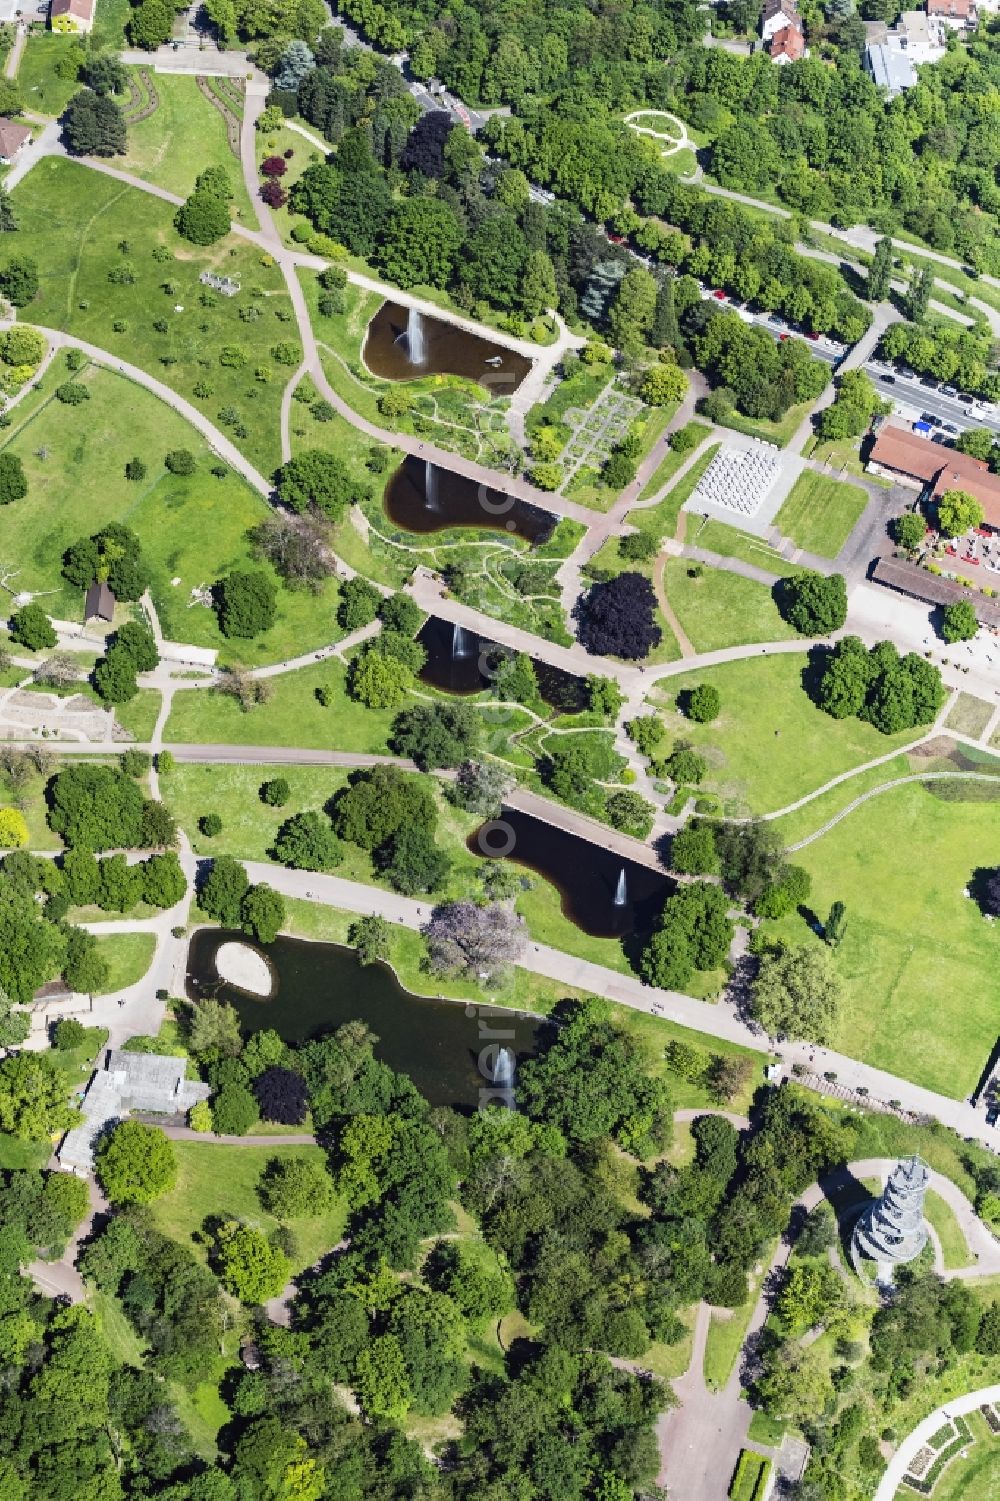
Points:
(128, 1081)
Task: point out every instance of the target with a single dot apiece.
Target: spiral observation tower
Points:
(891, 1230)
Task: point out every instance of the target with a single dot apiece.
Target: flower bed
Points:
(924, 1484)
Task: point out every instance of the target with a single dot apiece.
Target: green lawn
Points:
(969, 715)
(16, 1154)
(915, 948)
(293, 716)
(778, 433)
(771, 744)
(954, 1246)
(184, 135)
(726, 1333)
(138, 716)
(730, 542)
(43, 91)
(217, 1179)
(129, 956)
(820, 513)
(192, 528)
(718, 609)
(669, 465)
(74, 222)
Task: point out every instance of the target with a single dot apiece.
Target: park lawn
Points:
(110, 19)
(138, 716)
(718, 609)
(192, 528)
(727, 1331)
(129, 956)
(820, 513)
(73, 222)
(293, 716)
(730, 542)
(969, 715)
(217, 1179)
(17, 1155)
(668, 467)
(233, 792)
(771, 744)
(778, 433)
(918, 962)
(954, 1246)
(184, 135)
(43, 91)
(815, 814)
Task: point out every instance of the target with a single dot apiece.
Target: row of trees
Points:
(878, 685)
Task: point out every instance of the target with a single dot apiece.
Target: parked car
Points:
(949, 390)
(930, 418)
(719, 295)
(890, 380)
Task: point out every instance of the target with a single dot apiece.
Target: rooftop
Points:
(890, 69)
(939, 467)
(128, 1081)
(13, 136)
(788, 42)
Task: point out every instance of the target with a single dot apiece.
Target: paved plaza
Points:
(745, 485)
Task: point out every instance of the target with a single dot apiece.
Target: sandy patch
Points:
(245, 968)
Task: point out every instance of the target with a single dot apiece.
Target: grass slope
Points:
(820, 513)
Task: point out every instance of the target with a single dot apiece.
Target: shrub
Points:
(69, 1033)
(180, 461)
(703, 703)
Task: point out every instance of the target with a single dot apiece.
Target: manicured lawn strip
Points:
(216, 1179)
(820, 513)
(662, 518)
(293, 715)
(969, 715)
(184, 135)
(668, 466)
(750, 1479)
(719, 609)
(192, 528)
(138, 716)
(770, 744)
(44, 92)
(73, 222)
(915, 946)
(778, 433)
(730, 542)
(844, 454)
(726, 1334)
(954, 1246)
(17, 1155)
(129, 956)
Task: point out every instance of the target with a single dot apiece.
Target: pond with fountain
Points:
(403, 343)
(605, 895)
(424, 497)
(461, 661)
(451, 1051)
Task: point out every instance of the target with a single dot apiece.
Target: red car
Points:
(814, 337)
(720, 295)
(616, 239)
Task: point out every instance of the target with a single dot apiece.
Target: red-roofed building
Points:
(787, 45)
(71, 15)
(931, 468)
(960, 15)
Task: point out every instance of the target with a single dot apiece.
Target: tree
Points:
(246, 602)
(249, 1266)
(317, 480)
(480, 787)
(112, 555)
(789, 891)
(958, 512)
(475, 943)
(307, 842)
(234, 1110)
(31, 627)
(630, 813)
(539, 291)
(203, 217)
(292, 1188)
(106, 74)
(664, 385)
(420, 242)
(97, 807)
(214, 1030)
(378, 681)
(959, 621)
(281, 1095)
(693, 850)
(836, 924)
(275, 792)
(379, 801)
(921, 289)
(93, 125)
(262, 913)
(814, 603)
(33, 1095)
(909, 530)
(618, 618)
(136, 1163)
(703, 703)
(631, 317)
(151, 24)
(413, 862)
(694, 932)
(797, 994)
(210, 825)
(359, 603)
(880, 271)
(370, 937)
(13, 829)
(14, 486)
(18, 280)
(381, 1380)
(437, 734)
(222, 891)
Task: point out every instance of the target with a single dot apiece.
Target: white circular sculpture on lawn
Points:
(891, 1231)
(246, 968)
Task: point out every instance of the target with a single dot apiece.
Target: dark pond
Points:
(402, 344)
(459, 661)
(424, 497)
(439, 1044)
(603, 894)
